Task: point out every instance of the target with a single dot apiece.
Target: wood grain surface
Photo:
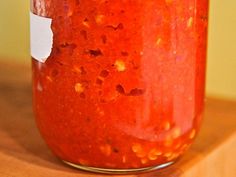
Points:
(24, 154)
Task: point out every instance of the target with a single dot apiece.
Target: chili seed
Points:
(192, 134)
(141, 154)
(168, 154)
(83, 162)
(76, 69)
(190, 22)
(173, 156)
(99, 19)
(137, 148)
(166, 125)
(184, 147)
(144, 160)
(176, 132)
(49, 78)
(106, 149)
(70, 13)
(158, 42)
(153, 154)
(79, 87)
(120, 65)
(177, 146)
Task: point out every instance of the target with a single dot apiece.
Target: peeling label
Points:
(41, 37)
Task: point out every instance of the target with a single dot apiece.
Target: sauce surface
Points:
(124, 84)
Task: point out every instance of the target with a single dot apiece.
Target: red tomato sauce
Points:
(124, 84)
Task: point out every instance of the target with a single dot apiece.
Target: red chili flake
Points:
(120, 26)
(136, 92)
(120, 89)
(104, 73)
(95, 53)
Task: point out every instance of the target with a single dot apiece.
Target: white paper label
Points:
(41, 37)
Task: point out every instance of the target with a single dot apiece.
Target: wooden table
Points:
(24, 154)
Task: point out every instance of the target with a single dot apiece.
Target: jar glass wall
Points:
(123, 87)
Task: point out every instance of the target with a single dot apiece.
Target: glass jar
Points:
(121, 86)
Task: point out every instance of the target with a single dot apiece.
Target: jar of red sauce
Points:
(118, 86)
